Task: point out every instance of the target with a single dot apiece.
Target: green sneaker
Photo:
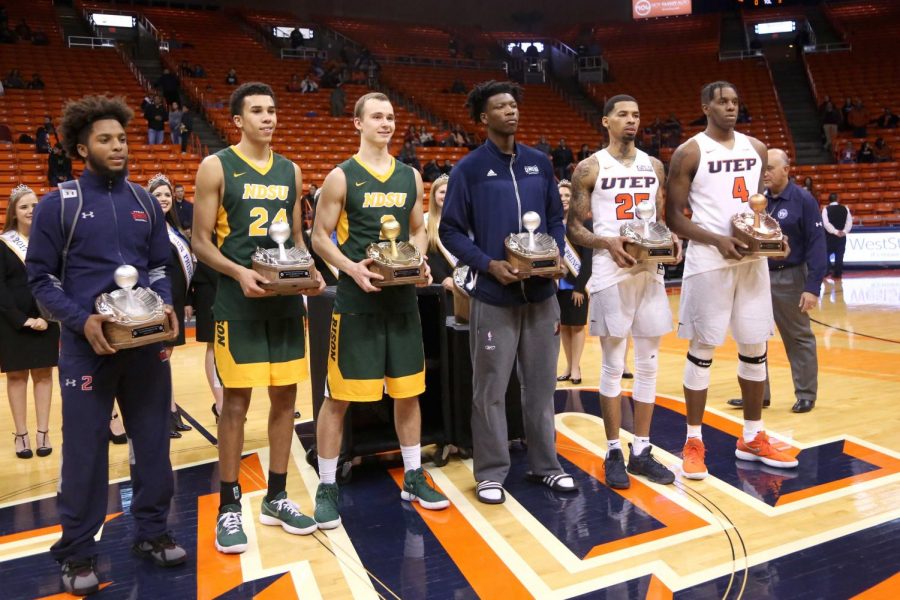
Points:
(230, 537)
(282, 511)
(416, 487)
(327, 515)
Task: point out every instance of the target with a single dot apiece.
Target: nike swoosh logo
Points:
(235, 174)
(361, 183)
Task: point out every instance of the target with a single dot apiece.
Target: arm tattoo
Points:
(580, 205)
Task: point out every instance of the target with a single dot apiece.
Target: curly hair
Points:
(80, 115)
(479, 95)
(251, 88)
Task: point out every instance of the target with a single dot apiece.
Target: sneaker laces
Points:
(327, 492)
(163, 542)
(76, 566)
(287, 505)
(231, 522)
(423, 476)
(695, 451)
(765, 446)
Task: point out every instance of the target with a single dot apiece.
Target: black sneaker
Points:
(163, 550)
(616, 477)
(644, 464)
(79, 577)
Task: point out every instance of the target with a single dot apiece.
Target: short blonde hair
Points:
(361, 103)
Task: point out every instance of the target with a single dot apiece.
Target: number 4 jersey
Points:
(253, 198)
(619, 189)
(725, 180)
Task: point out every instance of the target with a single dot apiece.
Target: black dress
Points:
(181, 296)
(440, 270)
(569, 314)
(21, 347)
(203, 290)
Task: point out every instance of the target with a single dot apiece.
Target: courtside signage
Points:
(873, 248)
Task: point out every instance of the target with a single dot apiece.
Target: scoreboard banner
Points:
(648, 9)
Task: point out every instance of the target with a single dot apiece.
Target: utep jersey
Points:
(724, 182)
(254, 198)
(618, 191)
(370, 198)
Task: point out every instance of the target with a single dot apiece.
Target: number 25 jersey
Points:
(725, 180)
(618, 191)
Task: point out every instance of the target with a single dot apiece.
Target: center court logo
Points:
(642, 7)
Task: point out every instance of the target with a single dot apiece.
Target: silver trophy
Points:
(648, 240)
(532, 253)
(287, 270)
(139, 316)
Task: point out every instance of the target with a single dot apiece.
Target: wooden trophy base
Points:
(398, 275)
(286, 280)
(530, 266)
(122, 337)
(460, 305)
(768, 247)
(656, 254)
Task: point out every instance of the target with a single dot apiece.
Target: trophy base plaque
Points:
(534, 265)
(286, 280)
(460, 296)
(769, 244)
(123, 337)
(398, 275)
(399, 265)
(664, 254)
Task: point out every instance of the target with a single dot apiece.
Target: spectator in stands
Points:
(51, 128)
(198, 71)
(453, 47)
(425, 138)
(431, 170)
(886, 120)
(59, 166)
(458, 87)
(187, 126)
(837, 221)
(36, 82)
(847, 155)
(42, 141)
(865, 154)
(411, 135)
(882, 151)
(309, 85)
(831, 120)
(175, 116)
(858, 119)
(14, 80)
(408, 156)
(743, 114)
(338, 100)
(808, 185)
(23, 31)
(584, 153)
(2, 90)
(563, 160)
(169, 85)
(845, 114)
(156, 116)
(446, 167)
(184, 69)
(308, 206)
(184, 210)
(533, 55)
(231, 78)
(295, 84)
(296, 38)
(543, 146)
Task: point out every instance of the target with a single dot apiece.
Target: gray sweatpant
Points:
(497, 336)
(796, 333)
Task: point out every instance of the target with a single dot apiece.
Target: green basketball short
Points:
(260, 353)
(369, 353)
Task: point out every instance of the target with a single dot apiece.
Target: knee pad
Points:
(612, 366)
(696, 367)
(752, 362)
(646, 366)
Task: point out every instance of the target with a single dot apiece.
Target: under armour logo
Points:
(87, 215)
(71, 383)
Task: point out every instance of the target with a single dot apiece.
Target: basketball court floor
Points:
(829, 529)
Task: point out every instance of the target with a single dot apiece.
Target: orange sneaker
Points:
(761, 449)
(693, 465)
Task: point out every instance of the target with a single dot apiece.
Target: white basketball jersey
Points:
(725, 179)
(617, 192)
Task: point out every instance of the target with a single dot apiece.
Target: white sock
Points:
(412, 457)
(328, 469)
(493, 494)
(613, 445)
(693, 431)
(751, 428)
(640, 443)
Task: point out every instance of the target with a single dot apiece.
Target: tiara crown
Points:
(21, 189)
(159, 177)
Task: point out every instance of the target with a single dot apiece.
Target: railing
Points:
(458, 63)
(143, 81)
(303, 53)
(83, 41)
(739, 54)
(828, 48)
(592, 63)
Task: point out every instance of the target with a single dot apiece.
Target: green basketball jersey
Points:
(370, 197)
(253, 198)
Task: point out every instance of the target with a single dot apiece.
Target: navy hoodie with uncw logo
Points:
(112, 229)
(487, 195)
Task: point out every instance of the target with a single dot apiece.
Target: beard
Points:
(101, 168)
